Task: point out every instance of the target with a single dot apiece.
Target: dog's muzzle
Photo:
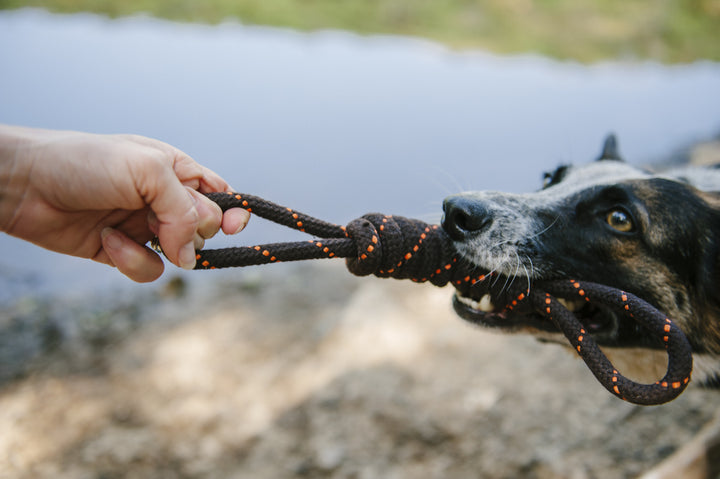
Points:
(464, 217)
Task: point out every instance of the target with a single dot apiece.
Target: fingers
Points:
(234, 220)
(211, 182)
(179, 212)
(210, 215)
(178, 220)
(135, 261)
(184, 216)
(205, 223)
(153, 226)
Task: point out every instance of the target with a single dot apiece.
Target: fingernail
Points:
(244, 223)
(198, 242)
(110, 239)
(186, 257)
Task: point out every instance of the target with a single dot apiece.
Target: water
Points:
(330, 123)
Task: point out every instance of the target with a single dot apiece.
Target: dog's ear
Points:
(610, 149)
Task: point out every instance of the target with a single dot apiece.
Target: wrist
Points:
(14, 171)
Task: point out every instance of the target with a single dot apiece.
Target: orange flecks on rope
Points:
(405, 248)
(548, 300)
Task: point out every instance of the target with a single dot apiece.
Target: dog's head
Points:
(656, 236)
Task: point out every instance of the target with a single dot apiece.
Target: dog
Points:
(654, 235)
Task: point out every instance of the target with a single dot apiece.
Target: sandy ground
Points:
(310, 372)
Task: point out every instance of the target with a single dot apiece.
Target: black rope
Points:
(383, 245)
(402, 248)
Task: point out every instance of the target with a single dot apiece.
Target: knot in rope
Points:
(403, 248)
(386, 246)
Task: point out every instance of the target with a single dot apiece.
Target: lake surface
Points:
(330, 123)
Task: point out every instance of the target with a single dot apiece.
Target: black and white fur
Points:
(654, 235)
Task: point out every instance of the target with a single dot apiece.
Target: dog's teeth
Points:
(466, 301)
(485, 305)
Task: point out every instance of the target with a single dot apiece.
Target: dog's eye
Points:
(620, 220)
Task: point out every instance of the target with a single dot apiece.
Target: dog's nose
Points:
(464, 216)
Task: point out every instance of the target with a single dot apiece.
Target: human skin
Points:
(103, 197)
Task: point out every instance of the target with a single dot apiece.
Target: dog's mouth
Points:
(507, 308)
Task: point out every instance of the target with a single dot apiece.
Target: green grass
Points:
(670, 31)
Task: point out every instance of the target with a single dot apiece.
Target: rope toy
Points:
(402, 248)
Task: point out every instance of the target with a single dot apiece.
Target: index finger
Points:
(177, 216)
(235, 219)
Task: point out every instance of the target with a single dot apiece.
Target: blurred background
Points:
(335, 108)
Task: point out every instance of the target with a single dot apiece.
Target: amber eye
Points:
(620, 220)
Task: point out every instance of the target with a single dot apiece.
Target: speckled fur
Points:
(670, 260)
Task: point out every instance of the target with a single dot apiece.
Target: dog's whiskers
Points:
(527, 273)
(545, 230)
(518, 263)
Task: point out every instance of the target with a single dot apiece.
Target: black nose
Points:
(465, 216)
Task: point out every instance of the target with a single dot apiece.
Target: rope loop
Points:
(680, 361)
(404, 248)
(370, 244)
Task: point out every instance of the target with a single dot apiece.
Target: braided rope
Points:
(657, 324)
(402, 248)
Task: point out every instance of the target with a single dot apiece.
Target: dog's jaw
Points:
(505, 306)
(512, 247)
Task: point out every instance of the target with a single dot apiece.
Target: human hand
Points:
(105, 196)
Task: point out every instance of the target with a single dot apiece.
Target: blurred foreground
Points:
(307, 371)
